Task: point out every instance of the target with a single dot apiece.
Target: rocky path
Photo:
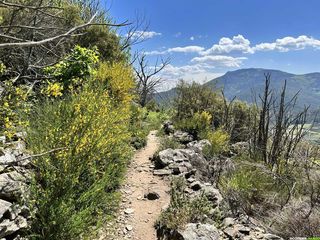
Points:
(144, 195)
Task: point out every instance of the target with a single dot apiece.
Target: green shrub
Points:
(252, 186)
(13, 102)
(75, 187)
(197, 125)
(138, 128)
(219, 140)
(71, 72)
(182, 208)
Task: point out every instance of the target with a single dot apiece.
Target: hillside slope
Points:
(242, 83)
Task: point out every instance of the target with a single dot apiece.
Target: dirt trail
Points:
(138, 214)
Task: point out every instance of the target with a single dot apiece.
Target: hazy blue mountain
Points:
(242, 83)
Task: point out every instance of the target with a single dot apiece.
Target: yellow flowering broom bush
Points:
(90, 132)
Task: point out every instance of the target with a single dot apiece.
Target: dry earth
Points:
(138, 214)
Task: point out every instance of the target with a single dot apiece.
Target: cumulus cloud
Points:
(220, 60)
(187, 49)
(226, 45)
(194, 72)
(145, 34)
(242, 45)
(289, 43)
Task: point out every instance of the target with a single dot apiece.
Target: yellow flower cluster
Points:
(118, 79)
(12, 102)
(53, 90)
(93, 126)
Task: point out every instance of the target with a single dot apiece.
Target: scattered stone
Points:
(188, 190)
(129, 211)
(244, 230)
(152, 195)
(227, 222)
(191, 180)
(197, 231)
(269, 236)
(168, 127)
(129, 228)
(162, 172)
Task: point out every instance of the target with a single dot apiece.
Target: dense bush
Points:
(197, 125)
(75, 186)
(182, 209)
(13, 102)
(195, 98)
(234, 117)
(219, 140)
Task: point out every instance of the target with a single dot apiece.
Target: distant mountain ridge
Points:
(242, 83)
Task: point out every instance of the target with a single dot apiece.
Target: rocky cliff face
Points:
(190, 163)
(15, 177)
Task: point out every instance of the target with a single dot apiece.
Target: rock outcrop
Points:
(15, 177)
(190, 163)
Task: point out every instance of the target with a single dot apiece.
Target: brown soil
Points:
(139, 225)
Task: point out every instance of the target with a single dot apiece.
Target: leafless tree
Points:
(37, 34)
(280, 125)
(147, 77)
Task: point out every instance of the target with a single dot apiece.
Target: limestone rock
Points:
(162, 172)
(4, 207)
(8, 227)
(12, 185)
(195, 231)
(213, 195)
(183, 137)
(198, 146)
(168, 127)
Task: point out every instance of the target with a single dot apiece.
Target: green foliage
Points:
(219, 140)
(106, 41)
(251, 186)
(71, 72)
(138, 129)
(75, 187)
(194, 98)
(182, 208)
(169, 142)
(197, 125)
(235, 117)
(2, 68)
(142, 122)
(13, 102)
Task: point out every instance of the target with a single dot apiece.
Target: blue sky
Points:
(206, 38)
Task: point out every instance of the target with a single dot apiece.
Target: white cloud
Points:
(220, 60)
(289, 43)
(240, 44)
(145, 34)
(196, 72)
(187, 49)
(226, 45)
